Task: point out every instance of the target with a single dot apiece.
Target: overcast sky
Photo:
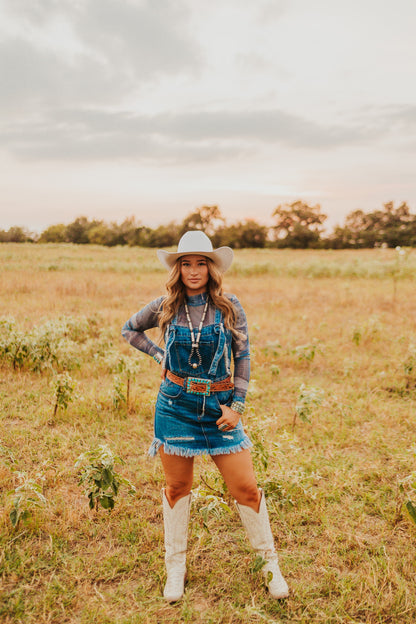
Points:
(152, 108)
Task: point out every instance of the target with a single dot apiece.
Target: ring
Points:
(223, 426)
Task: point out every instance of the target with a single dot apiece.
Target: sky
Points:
(154, 108)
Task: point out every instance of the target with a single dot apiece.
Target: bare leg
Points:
(179, 474)
(238, 473)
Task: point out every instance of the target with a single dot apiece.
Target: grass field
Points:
(331, 412)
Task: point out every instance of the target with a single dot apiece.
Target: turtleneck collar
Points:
(196, 300)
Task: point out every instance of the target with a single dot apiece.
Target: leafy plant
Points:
(411, 508)
(26, 495)
(7, 454)
(357, 335)
(371, 330)
(118, 395)
(127, 366)
(407, 489)
(397, 268)
(409, 366)
(306, 352)
(309, 398)
(100, 481)
(272, 348)
(212, 505)
(260, 452)
(409, 483)
(64, 388)
(14, 343)
(258, 564)
(54, 344)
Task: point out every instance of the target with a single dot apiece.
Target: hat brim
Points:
(222, 257)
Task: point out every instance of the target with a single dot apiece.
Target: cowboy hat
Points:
(196, 242)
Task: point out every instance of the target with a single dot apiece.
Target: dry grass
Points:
(347, 545)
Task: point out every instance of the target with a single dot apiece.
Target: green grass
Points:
(346, 541)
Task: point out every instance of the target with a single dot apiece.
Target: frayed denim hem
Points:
(170, 449)
(154, 447)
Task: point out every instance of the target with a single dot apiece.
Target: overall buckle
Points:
(195, 385)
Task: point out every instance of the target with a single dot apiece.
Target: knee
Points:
(249, 495)
(176, 490)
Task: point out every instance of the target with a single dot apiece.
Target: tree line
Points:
(297, 225)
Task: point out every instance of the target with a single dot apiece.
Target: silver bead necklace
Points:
(195, 340)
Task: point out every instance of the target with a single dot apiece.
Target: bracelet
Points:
(158, 357)
(238, 406)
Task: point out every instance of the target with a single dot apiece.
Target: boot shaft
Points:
(257, 525)
(260, 535)
(176, 520)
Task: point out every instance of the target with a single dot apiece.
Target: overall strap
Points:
(169, 337)
(219, 329)
(174, 321)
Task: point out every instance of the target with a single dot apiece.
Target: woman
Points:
(198, 408)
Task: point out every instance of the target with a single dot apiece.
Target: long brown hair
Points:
(177, 292)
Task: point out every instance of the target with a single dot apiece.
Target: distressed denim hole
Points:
(181, 438)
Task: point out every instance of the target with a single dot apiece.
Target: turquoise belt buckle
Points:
(190, 381)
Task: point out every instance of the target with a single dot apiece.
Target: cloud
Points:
(402, 115)
(171, 138)
(98, 51)
(262, 126)
(34, 79)
(394, 122)
(270, 10)
(147, 37)
(75, 73)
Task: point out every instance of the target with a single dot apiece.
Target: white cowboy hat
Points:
(196, 242)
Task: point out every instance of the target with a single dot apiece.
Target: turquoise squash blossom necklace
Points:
(195, 340)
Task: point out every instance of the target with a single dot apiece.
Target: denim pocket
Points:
(180, 357)
(224, 397)
(170, 389)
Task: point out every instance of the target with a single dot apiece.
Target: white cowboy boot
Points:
(176, 539)
(260, 535)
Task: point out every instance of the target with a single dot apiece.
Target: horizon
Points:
(326, 228)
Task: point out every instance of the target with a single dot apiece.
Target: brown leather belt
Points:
(195, 385)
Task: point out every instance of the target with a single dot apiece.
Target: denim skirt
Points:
(185, 424)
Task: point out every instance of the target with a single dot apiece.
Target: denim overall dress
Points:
(185, 423)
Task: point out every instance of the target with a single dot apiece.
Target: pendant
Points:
(195, 340)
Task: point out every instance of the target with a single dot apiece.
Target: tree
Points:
(340, 238)
(207, 219)
(126, 231)
(16, 234)
(392, 226)
(139, 236)
(77, 231)
(54, 234)
(164, 235)
(111, 235)
(358, 231)
(298, 225)
(101, 234)
(244, 234)
(398, 225)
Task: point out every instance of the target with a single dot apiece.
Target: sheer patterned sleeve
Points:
(241, 352)
(134, 329)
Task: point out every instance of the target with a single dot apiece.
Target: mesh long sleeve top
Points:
(134, 331)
